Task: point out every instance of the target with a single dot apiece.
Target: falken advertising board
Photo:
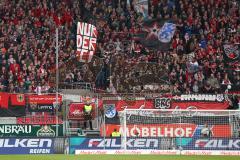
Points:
(81, 143)
(209, 143)
(26, 146)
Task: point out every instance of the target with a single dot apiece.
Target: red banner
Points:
(167, 130)
(18, 100)
(39, 120)
(166, 103)
(4, 97)
(76, 111)
(187, 103)
(200, 105)
(44, 99)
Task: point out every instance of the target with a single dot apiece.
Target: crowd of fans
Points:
(194, 62)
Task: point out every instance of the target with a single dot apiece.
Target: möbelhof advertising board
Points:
(16, 130)
(81, 143)
(31, 145)
(209, 143)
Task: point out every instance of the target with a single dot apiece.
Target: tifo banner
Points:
(76, 111)
(193, 101)
(16, 130)
(39, 120)
(210, 144)
(31, 146)
(232, 53)
(168, 130)
(157, 34)
(43, 99)
(99, 143)
(86, 41)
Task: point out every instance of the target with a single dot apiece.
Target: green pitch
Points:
(114, 157)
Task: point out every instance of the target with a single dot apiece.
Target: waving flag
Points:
(86, 41)
(157, 34)
(166, 33)
(142, 7)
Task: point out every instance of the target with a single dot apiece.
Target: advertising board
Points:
(32, 145)
(39, 120)
(43, 99)
(169, 130)
(26, 146)
(160, 152)
(16, 130)
(211, 144)
(81, 143)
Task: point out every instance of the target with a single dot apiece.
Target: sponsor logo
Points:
(218, 143)
(167, 130)
(45, 107)
(25, 143)
(17, 129)
(131, 143)
(26, 146)
(40, 151)
(160, 131)
(77, 112)
(33, 106)
(46, 131)
(110, 110)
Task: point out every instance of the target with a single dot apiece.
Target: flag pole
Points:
(57, 80)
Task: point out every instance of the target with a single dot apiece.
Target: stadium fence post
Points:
(57, 80)
(104, 128)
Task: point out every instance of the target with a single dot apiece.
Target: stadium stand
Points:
(122, 65)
